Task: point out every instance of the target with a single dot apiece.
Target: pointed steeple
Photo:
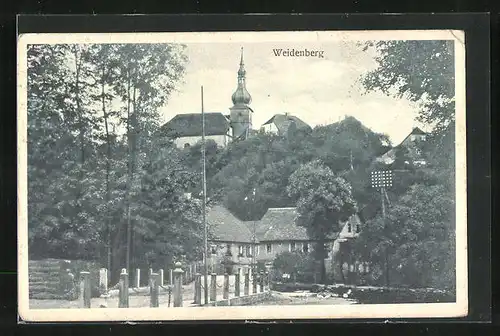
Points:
(242, 72)
(241, 95)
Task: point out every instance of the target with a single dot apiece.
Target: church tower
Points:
(241, 113)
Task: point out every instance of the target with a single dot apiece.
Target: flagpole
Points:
(205, 236)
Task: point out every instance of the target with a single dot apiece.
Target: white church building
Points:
(186, 129)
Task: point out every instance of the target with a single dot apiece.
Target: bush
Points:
(298, 265)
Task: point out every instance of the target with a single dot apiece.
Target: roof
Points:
(417, 131)
(283, 122)
(279, 224)
(190, 124)
(224, 226)
(389, 156)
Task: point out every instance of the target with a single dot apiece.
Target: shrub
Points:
(298, 265)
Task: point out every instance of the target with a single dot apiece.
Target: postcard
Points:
(242, 175)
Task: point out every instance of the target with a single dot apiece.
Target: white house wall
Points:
(220, 140)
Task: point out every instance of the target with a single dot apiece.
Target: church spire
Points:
(241, 95)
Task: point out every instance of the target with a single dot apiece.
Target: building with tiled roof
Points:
(411, 143)
(276, 232)
(281, 124)
(186, 129)
(225, 227)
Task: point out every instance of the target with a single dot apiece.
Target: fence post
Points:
(154, 289)
(237, 284)
(225, 291)
(178, 284)
(254, 283)
(123, 289)
(161, 277)
(103, 280)
(268, 281)
(138, 278)
(213, 287)
(171, 277)
(197, 288)
(86, 289)
(246, 288)
(261, 281)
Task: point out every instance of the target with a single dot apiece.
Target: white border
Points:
(436, 310)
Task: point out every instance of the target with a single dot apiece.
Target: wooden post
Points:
(254, 284)
(225, 291)
(161, 277)
(237, 284)
(213, 287)
(171, 277)
(268, 280)
(197, 288)
(86, 289)
(155, 286)
(261, 281)
(123, 289)
(138, 277)
(246, 288)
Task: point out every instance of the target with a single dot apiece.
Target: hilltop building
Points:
(412, 143)
(281, 124)
(186, 129)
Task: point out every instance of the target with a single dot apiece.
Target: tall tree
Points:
(324, 200)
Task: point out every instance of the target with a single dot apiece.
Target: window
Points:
(269, 248)
(292, 246)
(228, 250)
(257, 249)
(213, 249)
(249, 250)
(240, 250)
(187, 145)
(305, 247)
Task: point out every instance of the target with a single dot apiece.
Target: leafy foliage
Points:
(93, 113)
(299, 266)
(324, 200)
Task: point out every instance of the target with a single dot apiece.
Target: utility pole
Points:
(205, 231)
(382, 179)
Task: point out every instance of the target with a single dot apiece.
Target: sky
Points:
(319, 91)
